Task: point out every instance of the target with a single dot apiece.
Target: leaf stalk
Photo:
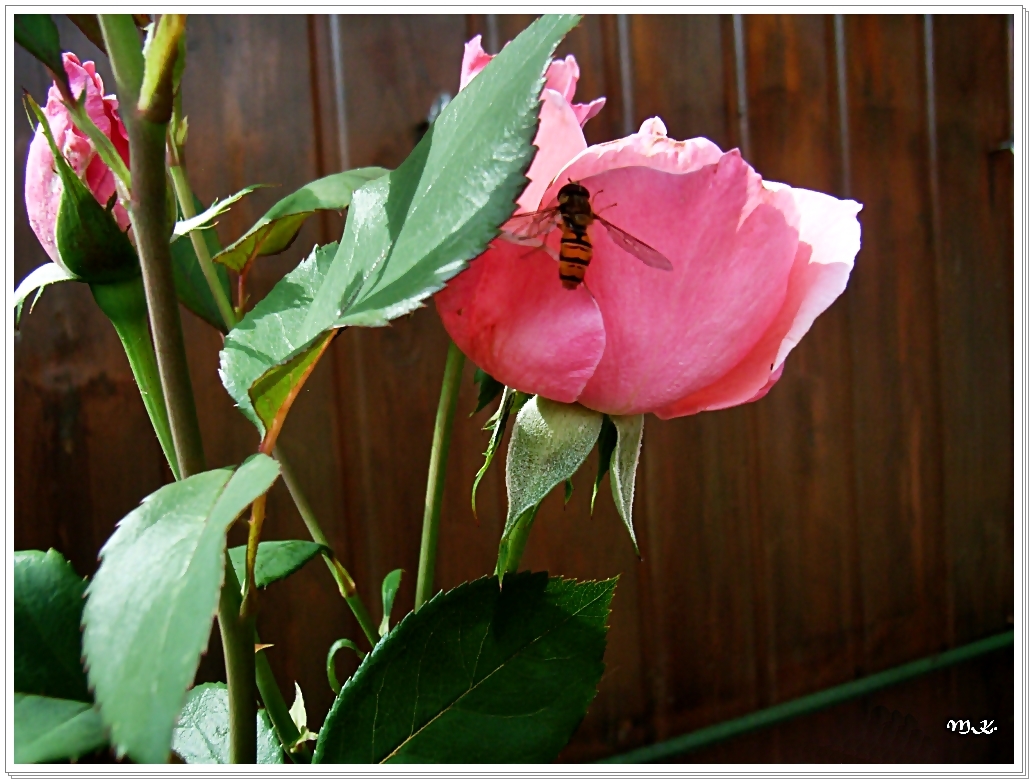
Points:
(238, 637)
(436, 473)
(345, 583)
(125, 305)
(185, 197)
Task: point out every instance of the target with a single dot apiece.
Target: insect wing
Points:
(651, 257)
(530, 225)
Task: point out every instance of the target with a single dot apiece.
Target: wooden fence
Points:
(858, 517)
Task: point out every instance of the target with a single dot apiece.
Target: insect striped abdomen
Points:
(575, 254)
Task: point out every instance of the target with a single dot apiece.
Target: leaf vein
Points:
(502, 664)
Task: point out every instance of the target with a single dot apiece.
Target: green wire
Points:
(809, 703)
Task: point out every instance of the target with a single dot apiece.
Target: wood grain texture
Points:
(894, 349)
(857, 517)
(804, 433)
(679, 75)
(975, 326)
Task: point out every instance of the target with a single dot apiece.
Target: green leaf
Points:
(150, 606)
(261, 351)
(37, 34)
(409, 232)
(276, 560)
(161, 52)
(298, 716)
(191, 286)
(273, 393)
(91, 28)
(90, 244)
(204, 219)
(275, 230)
(623, 463)
(335, 684)
(478, 675)
(202, 732)
(568, 490)
(488, 389)
(549, 442)
(389, 587)
(37, 280)
(52, 730)
(48, 609)
(605, 446)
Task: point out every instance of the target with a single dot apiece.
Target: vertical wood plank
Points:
(804, 426)
(894, 345)
(679, 75)
(975, 317)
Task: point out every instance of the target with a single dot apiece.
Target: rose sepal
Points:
(550, 441)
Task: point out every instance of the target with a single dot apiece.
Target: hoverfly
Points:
(573, 214)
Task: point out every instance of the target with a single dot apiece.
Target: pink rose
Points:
(754, 264)
(43, 186)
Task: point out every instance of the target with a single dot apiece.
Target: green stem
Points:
(186, 200)
(152, 228)
(345, 583)
(279, 713)
(358, 608)
(125, 305)
(238, 636)
(511, 547)
(436, 473)
(125, 52)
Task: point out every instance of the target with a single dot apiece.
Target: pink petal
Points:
(509, 313)
(84, 76)
(474, 60)
(776, 375)
(649, 147)
(830, 237)
(731, 244)
(586, 111)
(559, 139)
(830, 226)
(562, 76)
(43, 186)
(42, 193)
